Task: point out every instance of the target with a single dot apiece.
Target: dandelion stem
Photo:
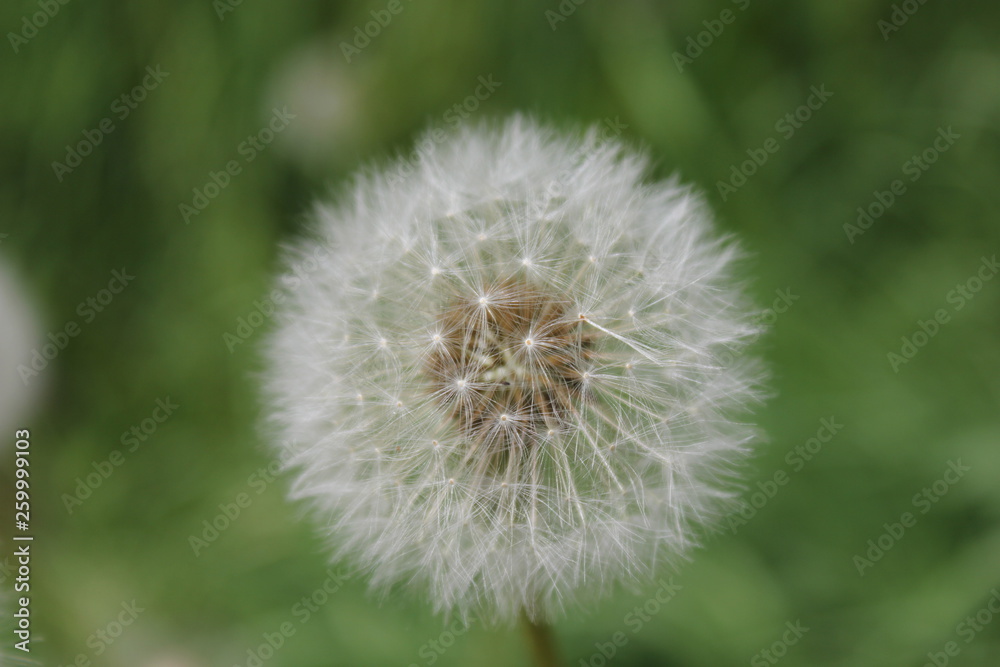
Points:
(543, 646)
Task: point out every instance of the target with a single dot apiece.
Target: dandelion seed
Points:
(580, 467)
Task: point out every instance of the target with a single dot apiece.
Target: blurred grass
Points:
(163, 335)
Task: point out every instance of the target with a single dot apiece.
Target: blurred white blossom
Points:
(20, 333)
(326, 97)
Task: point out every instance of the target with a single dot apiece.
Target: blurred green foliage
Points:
(613, 62)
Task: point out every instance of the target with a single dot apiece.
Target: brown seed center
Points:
(509, 363)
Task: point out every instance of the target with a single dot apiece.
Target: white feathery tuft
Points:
(510, 384)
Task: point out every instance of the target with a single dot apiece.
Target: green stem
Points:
(543, 646)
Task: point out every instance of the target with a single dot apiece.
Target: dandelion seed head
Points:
(579, 434)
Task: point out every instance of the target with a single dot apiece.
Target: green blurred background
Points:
(853, 298)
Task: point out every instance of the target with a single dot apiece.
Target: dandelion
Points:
(512, 385)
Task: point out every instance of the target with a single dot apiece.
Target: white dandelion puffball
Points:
(508, 373)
